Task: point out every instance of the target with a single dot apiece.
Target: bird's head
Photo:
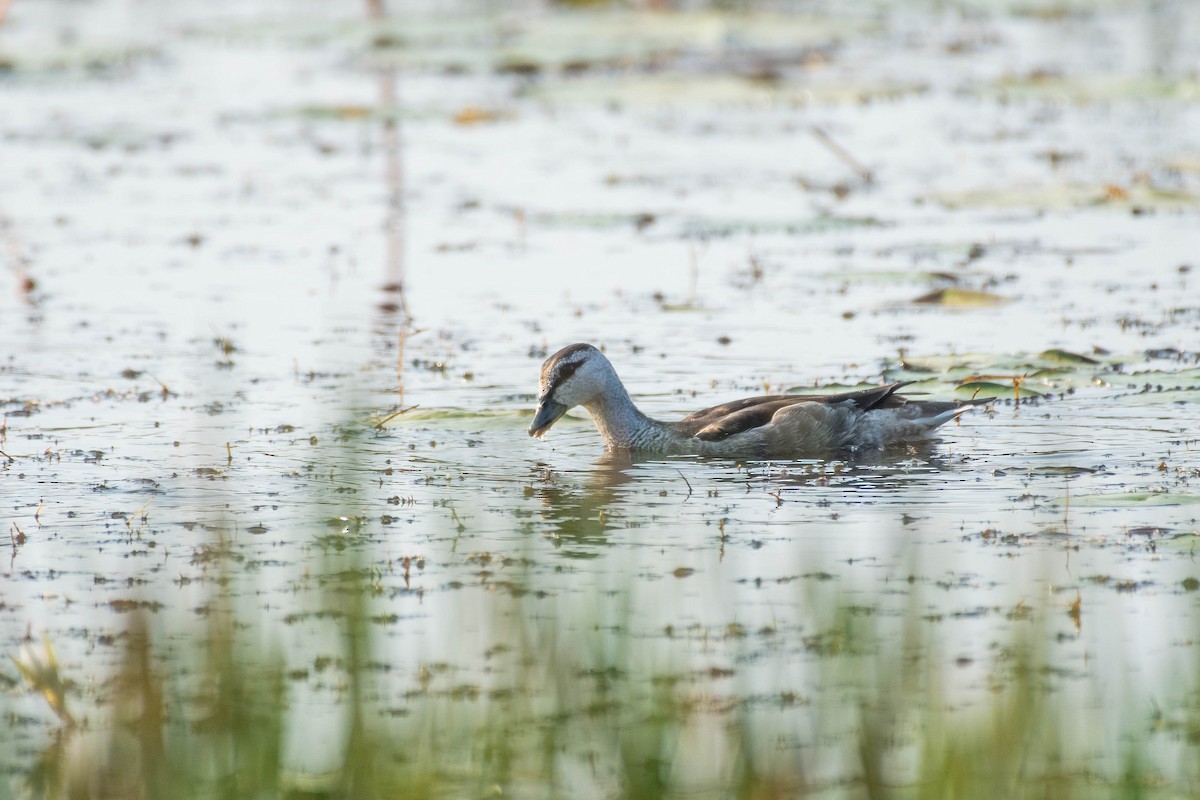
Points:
(573, 376)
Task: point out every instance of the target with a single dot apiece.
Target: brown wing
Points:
(721, 422)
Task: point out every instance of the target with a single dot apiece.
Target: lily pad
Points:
(1125, 499)
(1066, 357)
(989, 389)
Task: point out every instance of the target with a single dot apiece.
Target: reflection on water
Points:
(584, 507)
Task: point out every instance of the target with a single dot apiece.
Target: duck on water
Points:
(772, 426)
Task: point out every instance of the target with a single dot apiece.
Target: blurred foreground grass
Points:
(572, 702)
(581, 709)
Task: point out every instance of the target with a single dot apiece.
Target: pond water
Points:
(238, 240)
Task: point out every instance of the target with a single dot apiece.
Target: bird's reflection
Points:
(582, 515)
(584, 507)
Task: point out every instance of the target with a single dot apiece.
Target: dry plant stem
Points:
(166, 391)
(689, 485)
(1017, 380)
(392, 416)
(844, 154)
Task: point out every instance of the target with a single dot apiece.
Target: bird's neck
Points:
(619, 421)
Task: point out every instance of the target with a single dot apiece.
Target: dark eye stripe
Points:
(560, 375)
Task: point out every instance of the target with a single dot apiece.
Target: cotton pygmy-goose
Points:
(772, 426)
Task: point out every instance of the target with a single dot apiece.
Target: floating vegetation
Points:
(1137, 199)
(688, 90)
(984, 389)
(954, 297)
(1158, 498)
(1098, 89)
(30, 58)
(1066, 357)
(824, 223)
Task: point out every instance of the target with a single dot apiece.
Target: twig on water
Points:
(141, 513)
(166, 392)
(844, 154)
(379, 425)
(689, 485)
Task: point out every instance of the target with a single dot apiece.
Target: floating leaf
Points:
(1083, 90)
(347, 112)
(1064, 470)
(1066, 357)
(960, 298)
(829, 388)
(985, 389)
(1186, 542)
(1130, 499)
(474, 115)
(584, 219)
(1160, 397)
(41, 55)
(1068, 196)
(822, 223)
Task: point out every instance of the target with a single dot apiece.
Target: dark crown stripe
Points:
(571, 350)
